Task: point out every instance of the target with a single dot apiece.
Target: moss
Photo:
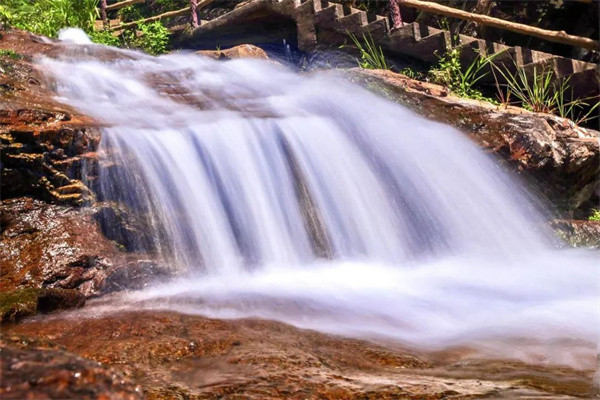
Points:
(27, 302)
(18, 304)
(10, 54)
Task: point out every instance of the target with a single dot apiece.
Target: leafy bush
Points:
(595, 215)
(153, 38)
(105, 38)
(47, 17)
(371, 55)
(461, 81)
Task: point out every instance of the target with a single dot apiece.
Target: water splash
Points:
(250, 175)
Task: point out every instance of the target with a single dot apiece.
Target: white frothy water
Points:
(428, 241)
(74, 35)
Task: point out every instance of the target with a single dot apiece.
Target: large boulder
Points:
(48, 245)
(241, 51)
(558, 158)
(56, 246)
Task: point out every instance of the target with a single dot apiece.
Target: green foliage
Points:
(371, 56)
(47, 17)
(577, 110)
(460, 80)
(10, 54)
(411, 73)
(131, 13)
(534, 90)
(595, 215)
(153, 38)
(539, 91)
(105, 38)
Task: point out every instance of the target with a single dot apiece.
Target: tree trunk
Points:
(194, 11)
(103, 15)
(395, 15)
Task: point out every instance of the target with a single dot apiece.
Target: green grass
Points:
(461, 80)
(539, 91)
(371, 55)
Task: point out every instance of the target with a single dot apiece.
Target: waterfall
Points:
(309, 200)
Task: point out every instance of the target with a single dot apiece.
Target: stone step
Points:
(399, 39)
(377, 29)
(432, 47)
(329, 15)
(329, 23)
(354, 22)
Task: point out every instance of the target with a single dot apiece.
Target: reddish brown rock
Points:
(53, 246)
(241, 51)
(559, 159)
(37, 370)
(26, 302)
(182, 356)
(42, 142)
(44, 245)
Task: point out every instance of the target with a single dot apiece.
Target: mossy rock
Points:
(27, 302)
(18, 304)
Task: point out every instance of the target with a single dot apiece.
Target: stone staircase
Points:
(319, 22)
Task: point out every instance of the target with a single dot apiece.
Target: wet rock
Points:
(559, 159)
(42, 142)
(34, 371)
(42, 158)
(176, 356)
(27, 302)
(50, 300)
(18, 304)
(124, 227)
(241, 51)
(578, 233)
(45, 245)
(135, 275)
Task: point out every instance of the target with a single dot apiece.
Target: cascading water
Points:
(311, 201)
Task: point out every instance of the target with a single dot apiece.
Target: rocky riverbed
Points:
(59, 249)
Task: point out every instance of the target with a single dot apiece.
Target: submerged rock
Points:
(559, 159)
